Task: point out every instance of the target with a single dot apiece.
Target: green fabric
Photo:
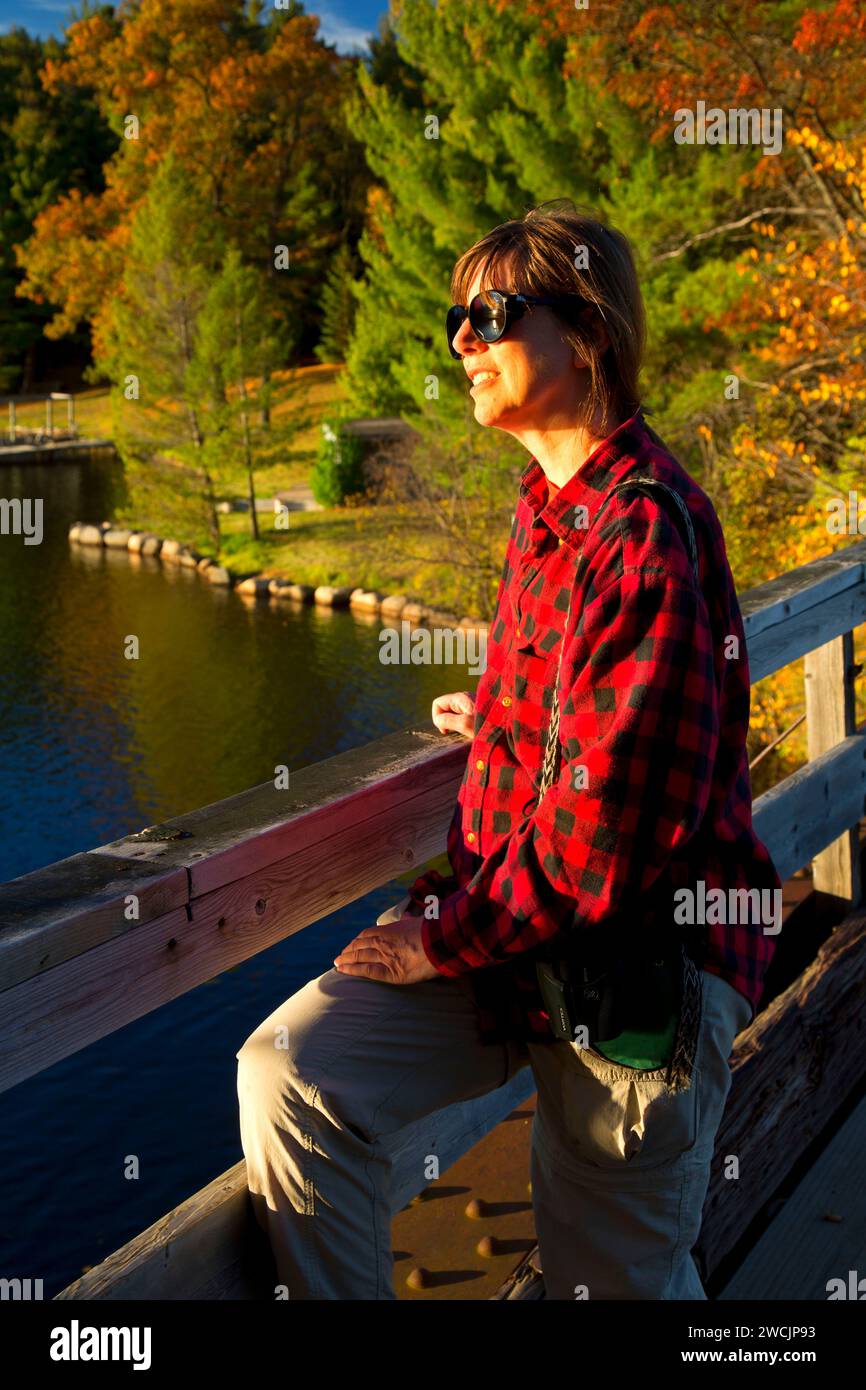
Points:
(640, 1050)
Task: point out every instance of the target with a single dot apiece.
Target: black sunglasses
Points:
(492, 312)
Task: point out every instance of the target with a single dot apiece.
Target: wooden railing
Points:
(12, 404)
(95, 941)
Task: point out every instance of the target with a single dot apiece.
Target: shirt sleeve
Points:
(639, 729)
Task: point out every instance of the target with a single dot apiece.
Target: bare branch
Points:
(743, 222)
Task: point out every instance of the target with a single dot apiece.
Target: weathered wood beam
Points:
(791, 1068)
(326, 856)
(57, 913)
(808, 810)
(830, 718)
(804, 608)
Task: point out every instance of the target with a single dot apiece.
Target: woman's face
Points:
(536, 380)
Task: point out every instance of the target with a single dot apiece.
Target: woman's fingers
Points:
(455, 713)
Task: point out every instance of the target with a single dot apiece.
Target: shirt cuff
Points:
(438, 933)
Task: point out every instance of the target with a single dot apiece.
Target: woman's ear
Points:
(596, 329)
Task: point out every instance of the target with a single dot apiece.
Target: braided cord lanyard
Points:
(685, 1044)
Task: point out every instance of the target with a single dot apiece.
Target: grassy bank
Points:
(345, 546)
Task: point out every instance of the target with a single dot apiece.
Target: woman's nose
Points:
(464, 337)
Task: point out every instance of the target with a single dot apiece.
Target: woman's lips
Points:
(479, 385)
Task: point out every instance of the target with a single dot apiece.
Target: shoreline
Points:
(262, 587)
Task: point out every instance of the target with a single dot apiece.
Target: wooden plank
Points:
(199, 1246)
(60, 1011)
(57, 913)
(810, 808)
(793, 593)
(797, 611)
(830, 718)
(791, 1070)
(778, 646)
(801, 1250)
(410, 772)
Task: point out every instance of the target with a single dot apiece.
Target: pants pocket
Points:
(617, 1117)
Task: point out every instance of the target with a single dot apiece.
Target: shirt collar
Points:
(587, 489)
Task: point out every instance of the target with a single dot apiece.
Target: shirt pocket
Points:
(538, 636)
(488, 792)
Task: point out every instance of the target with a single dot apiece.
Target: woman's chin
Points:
(486, 413)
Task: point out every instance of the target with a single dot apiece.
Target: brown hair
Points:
(541, 249)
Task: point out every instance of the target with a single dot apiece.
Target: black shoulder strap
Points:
(682, 518)
(681, 515)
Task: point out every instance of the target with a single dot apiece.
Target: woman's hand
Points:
(455, 714)
(392, 953)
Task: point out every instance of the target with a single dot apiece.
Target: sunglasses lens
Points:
(487, 315)
(453, 319)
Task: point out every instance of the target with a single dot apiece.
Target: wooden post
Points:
(70, 414)
(49, 415)
(830, 718)
(12, 420)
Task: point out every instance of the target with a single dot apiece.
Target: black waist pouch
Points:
(612, 986)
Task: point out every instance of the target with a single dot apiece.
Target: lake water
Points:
(93, 747)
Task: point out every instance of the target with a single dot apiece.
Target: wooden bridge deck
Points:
(819, 1233)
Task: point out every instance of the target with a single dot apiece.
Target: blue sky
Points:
(345, 23)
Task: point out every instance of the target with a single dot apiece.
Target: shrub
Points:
(338, 472)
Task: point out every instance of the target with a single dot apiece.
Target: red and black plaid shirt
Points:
(653, 787)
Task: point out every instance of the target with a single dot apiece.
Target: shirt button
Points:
(471, 836)
(480, 765)
(506, 700)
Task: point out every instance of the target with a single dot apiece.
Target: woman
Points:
(606, 791)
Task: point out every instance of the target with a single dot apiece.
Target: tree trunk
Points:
(266, 400)
(248, 460)
(213, 521)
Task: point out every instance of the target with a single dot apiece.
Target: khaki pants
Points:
(342, 1083)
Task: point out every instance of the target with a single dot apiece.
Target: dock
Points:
(21, 443)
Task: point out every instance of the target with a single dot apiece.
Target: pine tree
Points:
(149, 345)
(338, 307)
(239, 346)
(500, 129)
